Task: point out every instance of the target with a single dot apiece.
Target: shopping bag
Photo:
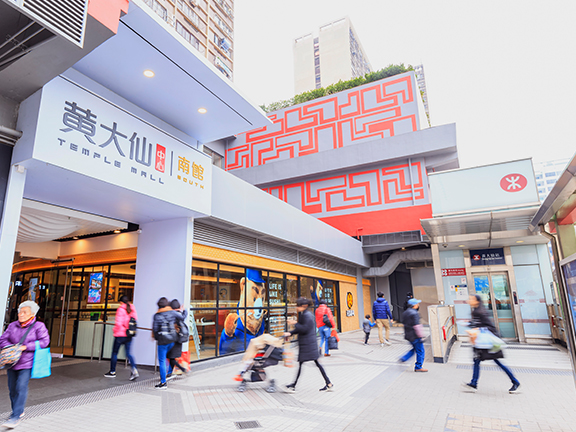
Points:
(497, 343)
(484, 339)
(332, 343)
(42, 362)
(184, 359)
(334, 333)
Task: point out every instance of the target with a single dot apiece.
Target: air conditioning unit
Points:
(64, 18)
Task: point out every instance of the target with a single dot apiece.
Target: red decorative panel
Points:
(377, 110)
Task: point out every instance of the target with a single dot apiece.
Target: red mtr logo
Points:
(513, 182)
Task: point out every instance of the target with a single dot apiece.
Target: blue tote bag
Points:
(42, 362)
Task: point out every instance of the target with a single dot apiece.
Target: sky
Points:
(500, 70)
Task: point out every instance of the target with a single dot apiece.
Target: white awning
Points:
(40, 222)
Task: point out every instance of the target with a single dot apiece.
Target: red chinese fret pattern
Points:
(361, 191)
(380, 110)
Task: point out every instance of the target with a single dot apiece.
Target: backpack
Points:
(183, 332)
(132, 327)
(167, 332)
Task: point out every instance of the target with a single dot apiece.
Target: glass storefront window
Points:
(229, 289)
(122, 278)
(231, 332)
(276, 290)
(203, 328)
(204, 284)
(306, 287)
(276, 321)
(292, 292)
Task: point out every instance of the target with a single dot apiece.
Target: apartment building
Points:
(335, 54)
(207, 25)
(547, 173)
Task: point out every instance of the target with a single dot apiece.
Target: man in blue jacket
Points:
(381, 313)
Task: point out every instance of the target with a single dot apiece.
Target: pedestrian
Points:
(408, 297)
(481, 319)
(176, 351)
(324, 326)
(413, 334)
(164, 331)
(27, 330)
(124, 314)
(381, 313)
(307, 345)
(367, 326)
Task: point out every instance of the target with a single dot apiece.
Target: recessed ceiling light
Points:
(461, 246)
(116, 231)
(519, 241)
(148, 73)
(75, 238)
(202, 110)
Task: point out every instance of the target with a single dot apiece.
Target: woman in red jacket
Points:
(323, 329)
(123, 315)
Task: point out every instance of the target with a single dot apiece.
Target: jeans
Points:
(324, 335)
(322, 371)
(476, 373)
(118, 342)
(366, 338)
(162, 351)
(18, 387)
(418, 348)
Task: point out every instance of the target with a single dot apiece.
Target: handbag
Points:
(42, 362)
(419, 330)
(332, 343)
(10, 355)
(326, 321)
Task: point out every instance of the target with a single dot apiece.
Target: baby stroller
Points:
(267, 356)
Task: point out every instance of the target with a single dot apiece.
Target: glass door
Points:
(63, 316)
(495, 292)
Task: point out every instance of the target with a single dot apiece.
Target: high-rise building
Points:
(335, 54)
(547, 174)
(207, 25)
(421, 80)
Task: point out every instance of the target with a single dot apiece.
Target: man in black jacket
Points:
(413, 334)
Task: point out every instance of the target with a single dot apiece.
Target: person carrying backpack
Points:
(165, 333)
(325, 325)
(124, 331)
(183, 336)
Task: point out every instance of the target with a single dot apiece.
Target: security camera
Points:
(445, 245)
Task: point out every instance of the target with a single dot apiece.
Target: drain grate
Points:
(251, 424)
(521, 370)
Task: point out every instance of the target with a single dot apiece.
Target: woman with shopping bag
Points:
(484, 338)
(25, 335)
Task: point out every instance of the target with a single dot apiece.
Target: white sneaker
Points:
(382, 344)
(388, 342)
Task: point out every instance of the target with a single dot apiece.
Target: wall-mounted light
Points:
(461, 246)
(202, 110)
(117, 231)
(75, 238)
(519, 241)
(149, 73)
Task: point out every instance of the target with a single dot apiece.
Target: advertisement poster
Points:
(95, 287)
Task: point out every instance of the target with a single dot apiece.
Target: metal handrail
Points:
(450, 328)
(101, 350)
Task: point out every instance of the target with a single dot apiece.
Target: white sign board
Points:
(84, 133)
(486, 187)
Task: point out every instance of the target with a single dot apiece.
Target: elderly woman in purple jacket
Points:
(19, 374)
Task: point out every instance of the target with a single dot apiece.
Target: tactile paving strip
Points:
(75, 401)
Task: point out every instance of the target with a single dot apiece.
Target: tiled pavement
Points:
(372, 393)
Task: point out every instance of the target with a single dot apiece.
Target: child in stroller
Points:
(263, 351)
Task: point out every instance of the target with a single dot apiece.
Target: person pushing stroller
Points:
(263, 351)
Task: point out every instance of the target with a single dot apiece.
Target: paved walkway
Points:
(372, 393)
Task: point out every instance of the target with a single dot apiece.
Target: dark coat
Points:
(381, 309)
(481, 318)
(306, 330)
(163, 325)
(410, 318)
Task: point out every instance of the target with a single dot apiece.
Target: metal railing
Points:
(102, 342)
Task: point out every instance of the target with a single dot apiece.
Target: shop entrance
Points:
(494, 289)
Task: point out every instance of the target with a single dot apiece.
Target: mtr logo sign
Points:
(513, 182)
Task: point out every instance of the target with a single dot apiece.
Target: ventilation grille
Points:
(66, 18)
(277, 251)
(311, 260)
(392, 238)
(217, 236)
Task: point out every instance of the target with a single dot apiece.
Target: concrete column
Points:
(163, 269)
(9, 229)
(438, 273)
